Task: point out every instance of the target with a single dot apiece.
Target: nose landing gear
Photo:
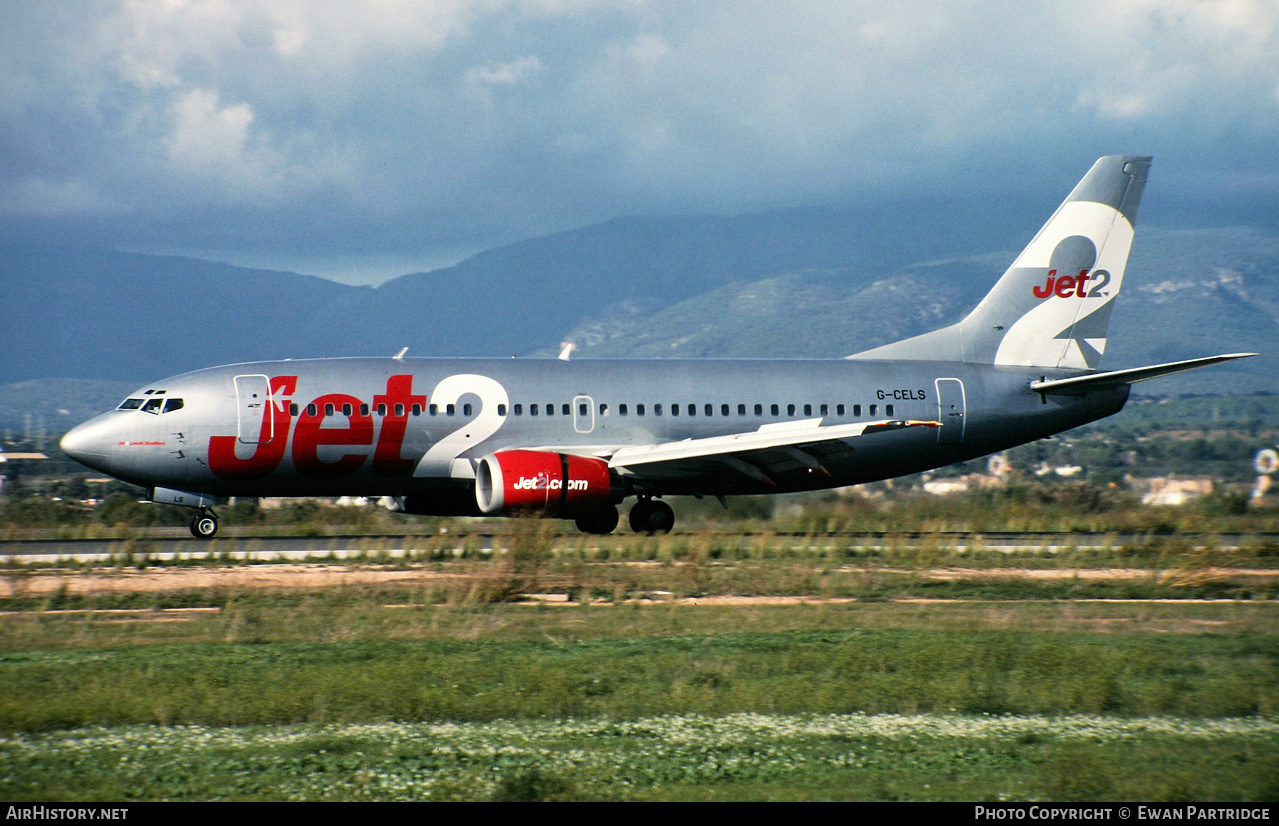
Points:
(205, 524)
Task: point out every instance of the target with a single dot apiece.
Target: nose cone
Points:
(91, 443)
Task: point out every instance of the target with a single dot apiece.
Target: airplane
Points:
(574, 439)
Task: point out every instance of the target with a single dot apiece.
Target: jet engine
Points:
(559, 484)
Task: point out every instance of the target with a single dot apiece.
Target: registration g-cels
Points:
(1122, 813)
(575, 439)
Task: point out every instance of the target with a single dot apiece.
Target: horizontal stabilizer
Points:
(1078, 385)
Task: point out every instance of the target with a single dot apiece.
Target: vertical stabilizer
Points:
(1052, 307)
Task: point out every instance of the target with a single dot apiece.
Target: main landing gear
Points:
(650, 516)
(647, 516)
(205, 524)
(601, 521)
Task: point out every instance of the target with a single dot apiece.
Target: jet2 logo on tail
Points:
(1067, 286)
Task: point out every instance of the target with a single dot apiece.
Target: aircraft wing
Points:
(1078, 385)
(756, 453)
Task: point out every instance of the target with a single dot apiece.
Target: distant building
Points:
(1171, 491)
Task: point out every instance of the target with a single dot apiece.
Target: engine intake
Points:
(558, 484)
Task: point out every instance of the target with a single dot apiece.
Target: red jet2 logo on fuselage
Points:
(308, 435)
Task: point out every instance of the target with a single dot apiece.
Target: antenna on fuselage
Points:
(567, 347)
(400, 355)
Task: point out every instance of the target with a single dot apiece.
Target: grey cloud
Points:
(462, 124)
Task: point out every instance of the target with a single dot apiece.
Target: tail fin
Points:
(1052, 307)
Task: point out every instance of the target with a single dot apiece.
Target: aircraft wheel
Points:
(650, 517)
(600, 522)
(204, 526)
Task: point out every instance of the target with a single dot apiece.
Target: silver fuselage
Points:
(390, 427)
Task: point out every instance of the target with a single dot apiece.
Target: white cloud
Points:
(518, 116)
(515, 73)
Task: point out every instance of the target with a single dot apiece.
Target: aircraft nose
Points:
(90, 443)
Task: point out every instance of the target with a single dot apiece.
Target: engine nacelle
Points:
(559, 484)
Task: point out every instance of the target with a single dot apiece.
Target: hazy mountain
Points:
(100, 314)
(806, 283)
(1187, 293)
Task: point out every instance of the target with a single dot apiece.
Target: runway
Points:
(174, 544)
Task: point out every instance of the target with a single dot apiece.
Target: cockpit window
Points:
(152, 405)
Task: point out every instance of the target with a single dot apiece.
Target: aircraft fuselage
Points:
(388, 427)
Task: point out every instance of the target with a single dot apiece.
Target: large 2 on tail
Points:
(1052, 307)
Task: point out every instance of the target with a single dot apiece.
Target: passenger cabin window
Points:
(621, 410)
(639, 410)
(775, 410)
(566, 409)
(519, 409)
(888, 410)
(501, 410)
(466, 409)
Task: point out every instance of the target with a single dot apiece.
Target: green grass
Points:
(685, 757)
(526, 671)
(436, 690)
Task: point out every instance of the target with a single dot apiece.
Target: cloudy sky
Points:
(364, 140)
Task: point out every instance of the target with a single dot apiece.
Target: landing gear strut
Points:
(650, 517)
(205, 524)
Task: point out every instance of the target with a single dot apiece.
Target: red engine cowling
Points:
(559, 484)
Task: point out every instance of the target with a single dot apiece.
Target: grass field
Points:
(442, 688)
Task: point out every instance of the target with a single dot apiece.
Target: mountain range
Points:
(801, 283)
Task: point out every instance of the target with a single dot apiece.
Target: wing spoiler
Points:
(1078, 385)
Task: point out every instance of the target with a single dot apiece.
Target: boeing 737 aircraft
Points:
(574, 439)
